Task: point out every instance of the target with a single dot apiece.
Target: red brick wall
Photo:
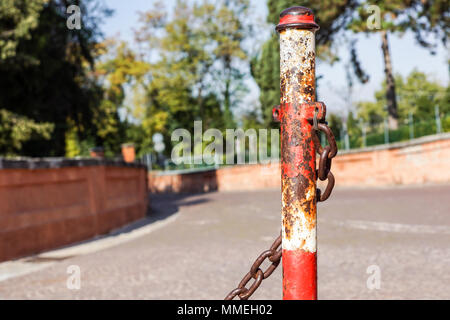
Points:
(425, 160)
(43, 209)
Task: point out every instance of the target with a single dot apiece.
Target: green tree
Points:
(47, 69)
(16, 130)
(354, 131)
(118, 70)
(419, 94)
(17, 19)
(423, 18)
(331, 15)
(228, 31)
(196, 62)
(335, 124)
(416, 94)
(176, 85)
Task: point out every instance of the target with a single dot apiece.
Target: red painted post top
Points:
(297, 17)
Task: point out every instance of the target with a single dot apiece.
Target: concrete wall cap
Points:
(55, 163)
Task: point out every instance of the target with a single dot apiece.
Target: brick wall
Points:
(423, 160)
(45, 206)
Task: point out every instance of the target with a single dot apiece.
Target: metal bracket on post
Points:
(308, 110)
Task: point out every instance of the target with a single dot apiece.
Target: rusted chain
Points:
(326, 194)
(327, 153)
(324, 164)
(273, 255)
(330, 138)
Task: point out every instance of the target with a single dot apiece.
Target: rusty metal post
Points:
(298, 153)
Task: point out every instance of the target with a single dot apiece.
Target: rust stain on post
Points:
(297, 66)
(297, 75)
(298, 155)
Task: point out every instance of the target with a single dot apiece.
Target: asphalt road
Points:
(200, 246)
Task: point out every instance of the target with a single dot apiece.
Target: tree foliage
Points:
(417, 94)
(419, 97)
(15, 130)
(196, 65)
(70, 90)
(332, 16)
(427, 19)
(423, 18)
(17, 19)
(118, 70)
(47, 69)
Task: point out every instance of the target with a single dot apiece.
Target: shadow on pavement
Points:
(162, 206)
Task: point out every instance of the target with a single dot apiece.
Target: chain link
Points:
(274, 256)
(327, 154)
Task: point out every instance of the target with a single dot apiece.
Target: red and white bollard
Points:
(298, 153)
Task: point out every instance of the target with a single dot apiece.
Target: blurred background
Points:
(91, 92)
(145, 67)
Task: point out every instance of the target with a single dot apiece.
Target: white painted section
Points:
(295, 47)
(302, 236)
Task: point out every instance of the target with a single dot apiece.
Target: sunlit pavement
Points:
(200, 246)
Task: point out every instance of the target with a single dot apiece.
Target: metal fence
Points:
(364, 135)
(359, 136)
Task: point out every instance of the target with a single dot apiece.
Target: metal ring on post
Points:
(315, 124)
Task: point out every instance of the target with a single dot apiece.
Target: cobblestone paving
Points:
(210, 241)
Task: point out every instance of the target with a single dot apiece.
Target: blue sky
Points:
(406, 56)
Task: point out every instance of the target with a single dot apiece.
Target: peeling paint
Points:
(297, 66)
(299, 218)
(297, 74)
(298, 153)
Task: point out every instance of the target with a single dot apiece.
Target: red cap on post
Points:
(297, 17)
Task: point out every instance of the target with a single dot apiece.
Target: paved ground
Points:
(198, 247)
